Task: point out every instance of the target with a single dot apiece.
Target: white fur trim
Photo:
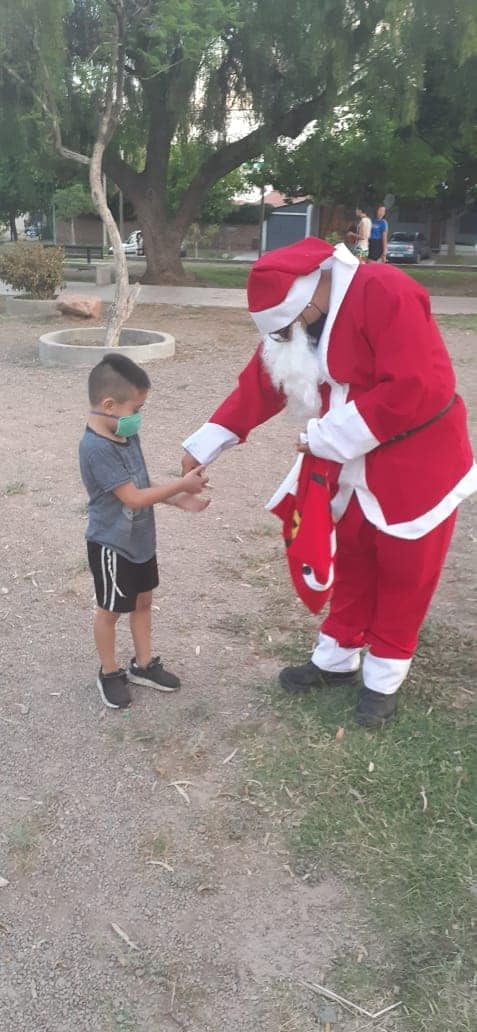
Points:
(412, 529)
(206, 443)
(353, 478)
(271, 319)
(384, 675)
(288, 485)
(330, 656)
(341, 435)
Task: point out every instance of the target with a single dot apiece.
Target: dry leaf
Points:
(4, 882)
(230, 757)
(370, 767)
(178, 785)
(123, 936)
(160, 863)
(340, 734)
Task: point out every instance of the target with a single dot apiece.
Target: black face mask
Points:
(315, 329)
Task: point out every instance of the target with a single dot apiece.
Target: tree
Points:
(188, 63)
(408, 129)
(447, 121)
(360, 165)
(185, 158)
(39, 73)
(72, 201)
(27, 172)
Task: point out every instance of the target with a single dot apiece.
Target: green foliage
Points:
(72, 201)
(32, 268)
(185, 160)
(247, 214)
(27, 173)
(357, 68)
(363, 161)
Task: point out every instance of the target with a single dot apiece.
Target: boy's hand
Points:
(189, 502)
(188, 463)
(195, 480)
(301, 447)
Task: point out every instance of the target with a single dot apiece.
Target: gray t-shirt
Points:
(106, 464)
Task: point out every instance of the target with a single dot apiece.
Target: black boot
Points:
(301, 679)
(375, 709)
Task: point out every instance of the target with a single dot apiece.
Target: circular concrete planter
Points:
(30, 308)
(62, 347)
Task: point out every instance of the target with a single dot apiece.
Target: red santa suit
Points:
(387, 419)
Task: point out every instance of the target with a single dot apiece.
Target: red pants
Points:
(383, 585)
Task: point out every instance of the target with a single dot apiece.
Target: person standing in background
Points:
(363, 231)
(378, 244)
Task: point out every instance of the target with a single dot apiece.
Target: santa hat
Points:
(282, 282)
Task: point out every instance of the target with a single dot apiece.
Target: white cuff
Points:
(384, 675)
(333, 658)
(341, 435)
(209, 441)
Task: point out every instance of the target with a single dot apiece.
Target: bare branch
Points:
(250, 146)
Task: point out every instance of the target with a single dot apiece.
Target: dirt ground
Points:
(95, 829)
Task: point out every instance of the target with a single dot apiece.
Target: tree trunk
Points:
(451, 233)
(124, 298)
(162, 243)
(13, 225)
(72, 232)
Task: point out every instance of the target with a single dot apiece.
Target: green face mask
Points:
(127, 426)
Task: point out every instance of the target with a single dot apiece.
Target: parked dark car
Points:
(408, 247)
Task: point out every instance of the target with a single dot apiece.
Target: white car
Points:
(133, 244)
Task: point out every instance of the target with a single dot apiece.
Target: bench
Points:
(88, 251)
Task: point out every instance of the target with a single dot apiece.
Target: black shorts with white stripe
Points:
(118, 581)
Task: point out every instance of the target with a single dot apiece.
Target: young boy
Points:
(121, 533)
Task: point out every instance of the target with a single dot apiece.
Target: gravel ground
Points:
(220, 928)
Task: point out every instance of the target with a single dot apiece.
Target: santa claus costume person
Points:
(356, 349)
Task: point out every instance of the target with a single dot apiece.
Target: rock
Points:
(80, 305)
(3, 883)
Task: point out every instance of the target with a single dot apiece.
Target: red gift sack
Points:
(308, 533)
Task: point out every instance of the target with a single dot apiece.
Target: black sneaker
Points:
(153, 676)
(301, 679)
(375, 709)
(113, 689)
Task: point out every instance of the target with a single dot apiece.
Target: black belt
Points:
(407, 433)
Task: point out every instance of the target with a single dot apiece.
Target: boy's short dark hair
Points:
(114, 377)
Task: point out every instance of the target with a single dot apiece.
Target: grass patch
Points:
(219, 275)
(458, 322)
(394, 813)
(455, 282)
(159, 847)
(25, 836)
(122, 1018)
(16, 487)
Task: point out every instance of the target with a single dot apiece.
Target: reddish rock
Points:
(80, 305)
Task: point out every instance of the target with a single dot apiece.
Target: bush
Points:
(35, 269)
(334, 237)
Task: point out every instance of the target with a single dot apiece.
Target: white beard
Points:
(293, 367)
